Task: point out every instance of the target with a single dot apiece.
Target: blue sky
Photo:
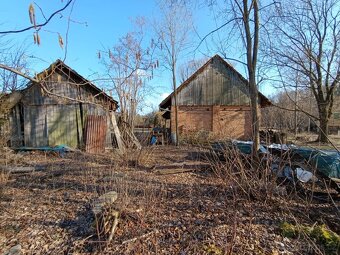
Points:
(97, 25)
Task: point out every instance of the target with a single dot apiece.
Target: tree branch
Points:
(13, 70)
(39, 25)
(215, 30)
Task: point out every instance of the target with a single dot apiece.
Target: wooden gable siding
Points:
(215, 85)
(60, 85)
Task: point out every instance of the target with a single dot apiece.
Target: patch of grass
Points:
(212, 249)
(329, 240)
(326, 237)
(289, 230)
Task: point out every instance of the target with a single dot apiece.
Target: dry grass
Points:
(310, 139)
(4, 176)
(200, 212)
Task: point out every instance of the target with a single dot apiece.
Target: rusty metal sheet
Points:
(95, 133)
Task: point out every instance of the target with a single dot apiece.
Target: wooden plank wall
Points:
(64, 125)
(16, 135)
(51, 121)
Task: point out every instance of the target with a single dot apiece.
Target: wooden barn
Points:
(76, 115)
(214, 99)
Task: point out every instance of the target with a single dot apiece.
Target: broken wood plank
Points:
(21, 169)
(135, 140)
(106, 199)
(190, 165)
(106, 216)
(121, 146)
(173, 171)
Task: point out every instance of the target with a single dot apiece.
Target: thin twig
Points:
(140, 237)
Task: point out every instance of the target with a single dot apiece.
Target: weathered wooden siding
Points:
(35, 126)
(64, 125)
(51, 121)
(60, 85)
(52, 125)
(16, 135)
(215, 85)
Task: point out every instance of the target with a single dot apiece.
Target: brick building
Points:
(214, 99)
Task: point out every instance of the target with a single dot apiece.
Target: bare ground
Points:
(49, 211)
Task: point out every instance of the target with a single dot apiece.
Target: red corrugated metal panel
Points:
(95, 133)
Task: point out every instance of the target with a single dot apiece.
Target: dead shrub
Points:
(200, 137)
(238, 171)
(145, 156)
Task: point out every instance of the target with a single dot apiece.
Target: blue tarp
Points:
(326, 162)
(61, 149)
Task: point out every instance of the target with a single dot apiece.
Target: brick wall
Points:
(192, 118)
(232, 121)
(223, 121)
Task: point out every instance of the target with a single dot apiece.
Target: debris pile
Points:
(106, 215)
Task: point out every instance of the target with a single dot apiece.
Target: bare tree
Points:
(277, 117)
(305, 38)
(173, 31)
(16, 58)
(129, 66)
(246, 13)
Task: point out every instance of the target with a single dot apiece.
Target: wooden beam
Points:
(116, 131)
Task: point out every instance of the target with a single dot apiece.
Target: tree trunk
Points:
(255, 113)
(323, 131)
(175, 102)
(252, 43)
(295, 110)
